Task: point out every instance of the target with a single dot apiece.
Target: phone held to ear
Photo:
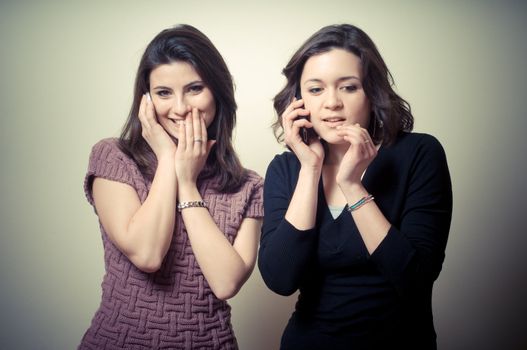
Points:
(307, 134)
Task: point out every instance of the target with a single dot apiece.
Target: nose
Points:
(332, 100)
(179, 107)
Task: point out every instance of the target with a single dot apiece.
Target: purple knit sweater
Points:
(173, 308)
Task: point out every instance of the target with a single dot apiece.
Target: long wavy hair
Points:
(184, 43)
(390, 114)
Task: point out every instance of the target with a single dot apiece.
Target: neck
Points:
(336, 153)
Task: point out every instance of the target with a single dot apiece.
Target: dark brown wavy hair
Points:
(390, 114)
(184, 43)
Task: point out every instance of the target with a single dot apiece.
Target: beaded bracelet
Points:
(360, 203)
(191, 204)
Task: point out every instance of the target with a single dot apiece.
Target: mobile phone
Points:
(307, 134)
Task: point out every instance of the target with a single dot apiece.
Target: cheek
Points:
(161, 109)
(311, 105)
(308, 102)
(359, 106)
(209, 107)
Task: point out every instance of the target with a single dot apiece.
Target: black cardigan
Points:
(345, 292)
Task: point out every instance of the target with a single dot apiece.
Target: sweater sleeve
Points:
(109, 162)
(285, 252)
(412, 253)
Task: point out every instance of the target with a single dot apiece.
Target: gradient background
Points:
(66, 81)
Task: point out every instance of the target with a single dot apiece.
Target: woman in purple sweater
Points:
(179, 216)
(357, 216)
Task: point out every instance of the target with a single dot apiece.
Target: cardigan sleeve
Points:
(412, 253)
(285, 252)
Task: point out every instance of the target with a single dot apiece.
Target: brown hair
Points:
(185, 43)
(390, 114)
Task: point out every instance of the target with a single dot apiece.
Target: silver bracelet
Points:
(360, 203)
(191, 204)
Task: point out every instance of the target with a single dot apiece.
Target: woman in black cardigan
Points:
(357, 215)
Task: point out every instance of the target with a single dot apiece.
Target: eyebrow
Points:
(315, 80)
(161, 87)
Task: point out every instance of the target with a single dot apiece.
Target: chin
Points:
(334, 140)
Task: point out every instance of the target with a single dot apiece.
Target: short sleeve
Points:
(254, 208)
(109, 162)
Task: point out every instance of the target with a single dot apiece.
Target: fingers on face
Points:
(193, 136)
(204, 136)
(358, 137)
(199, 133)
(147, 115)
(142, 112)
(150, 111)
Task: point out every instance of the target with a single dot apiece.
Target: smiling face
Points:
(176, 88)
(331, 87)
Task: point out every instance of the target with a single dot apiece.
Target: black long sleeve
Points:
(412, 253)
(342, 287)
(285, 252)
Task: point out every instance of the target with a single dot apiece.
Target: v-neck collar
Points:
(322, 194)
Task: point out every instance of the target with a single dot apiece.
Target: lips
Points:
(333, 122)
(334, 119)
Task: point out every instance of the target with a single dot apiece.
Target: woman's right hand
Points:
(154, 134)
(311, 155)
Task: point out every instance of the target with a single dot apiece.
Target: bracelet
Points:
(191, 204)
(360, 203)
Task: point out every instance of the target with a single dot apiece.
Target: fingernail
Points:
(148, 97)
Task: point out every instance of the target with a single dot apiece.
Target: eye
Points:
(350, 88)
(314, 90)
(163, 92)
(196, 88)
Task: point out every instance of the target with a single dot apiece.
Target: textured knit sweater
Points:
(173, 308)
(350, 299)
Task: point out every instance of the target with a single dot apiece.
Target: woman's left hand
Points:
(193, 148)
(360, 154)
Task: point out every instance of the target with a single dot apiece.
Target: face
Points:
(175, 89)
(331, 87)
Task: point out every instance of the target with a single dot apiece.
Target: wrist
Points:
(165, 158)
(353, 191)
(188, 193)
(310, 170)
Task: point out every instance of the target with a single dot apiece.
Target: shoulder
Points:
(414, 139)
(254, 195)
(107, 156)
(253, 179)
(252, 182)
(108, 161)
(108, 149)
(282, 173)
(286, 162)
(417, 145)
(423, 157)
